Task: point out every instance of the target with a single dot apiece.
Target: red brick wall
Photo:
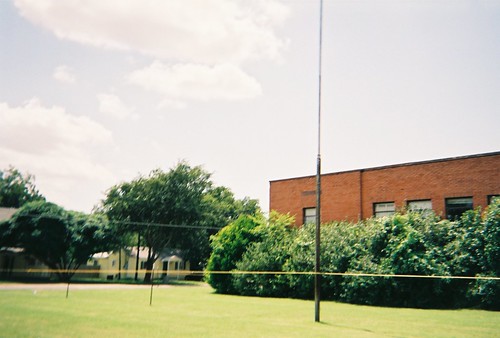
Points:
(350, 195)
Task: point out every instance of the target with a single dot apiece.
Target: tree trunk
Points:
(149, 267)
(149, 270)
(120, 264)
(137, 257)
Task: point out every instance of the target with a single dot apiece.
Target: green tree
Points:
(220, 208)
(17, 189)
(174, 209)
(62, 240)
(147, 204)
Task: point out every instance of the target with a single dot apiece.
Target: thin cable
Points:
(243, 272)
(181, 226)
(149, 224)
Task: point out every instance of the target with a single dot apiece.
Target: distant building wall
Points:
(6, 213)
(351, 195)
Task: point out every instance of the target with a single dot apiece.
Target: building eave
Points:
(392, 166)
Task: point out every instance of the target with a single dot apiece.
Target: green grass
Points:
(195, 311)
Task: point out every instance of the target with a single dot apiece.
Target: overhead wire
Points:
(249, 272)
(148, 224)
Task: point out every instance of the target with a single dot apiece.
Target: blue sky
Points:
(93, 93)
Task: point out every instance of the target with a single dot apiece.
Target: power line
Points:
(250, 272)
(146, 224)
(164, 225)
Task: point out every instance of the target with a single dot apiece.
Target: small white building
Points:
(126, 263)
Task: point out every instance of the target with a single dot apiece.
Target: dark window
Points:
(309, 215)
(491, 198)
(455, 207)
(384, 209)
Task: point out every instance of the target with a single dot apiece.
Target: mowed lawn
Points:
(195, 311)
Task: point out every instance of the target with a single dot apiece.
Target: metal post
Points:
(67, 289)
(137, 257)
(317, 266)
(152, 283)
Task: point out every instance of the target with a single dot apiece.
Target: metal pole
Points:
(152, 283)
(67, 289)
(317, 267)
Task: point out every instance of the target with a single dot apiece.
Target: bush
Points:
(403, 244)
(269, 254)
(228, 246)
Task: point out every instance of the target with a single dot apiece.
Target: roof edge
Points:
(406, 164)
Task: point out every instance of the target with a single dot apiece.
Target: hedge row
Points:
(410, 243)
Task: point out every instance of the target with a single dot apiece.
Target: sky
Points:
(97, 92)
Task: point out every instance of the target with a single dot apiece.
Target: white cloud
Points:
(200, 31)
(196, 82)
(33, 128)
(170, 103)
(64, 74)
(54, 145)
(112, 105)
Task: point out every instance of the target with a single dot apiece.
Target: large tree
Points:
(173, 209)
(17, 189)
(220, 208)
(62, 240)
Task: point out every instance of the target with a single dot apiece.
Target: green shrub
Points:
(402, 244)
(270, 253)
(228, 246)
(301, 259)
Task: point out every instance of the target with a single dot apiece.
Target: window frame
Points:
(379, 214)
(490, 198)
(305, 218)
(455, 215)
(421, 210)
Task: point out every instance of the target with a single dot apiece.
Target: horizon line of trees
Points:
(64, 240)
(410, 243)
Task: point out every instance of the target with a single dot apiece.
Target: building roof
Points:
(12, 250)
(173, 258)
(496, 153)
(101, 255)
(165, 255)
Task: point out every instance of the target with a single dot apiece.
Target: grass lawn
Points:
(195, 311)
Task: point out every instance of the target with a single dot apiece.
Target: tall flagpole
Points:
(317, 266)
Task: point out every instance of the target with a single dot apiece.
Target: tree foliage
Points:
(62, 240)
(220, 208)
(269, 252)
(17, 189)
(228, 247)
(173, 209)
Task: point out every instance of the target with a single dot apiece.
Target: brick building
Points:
(447, 186)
